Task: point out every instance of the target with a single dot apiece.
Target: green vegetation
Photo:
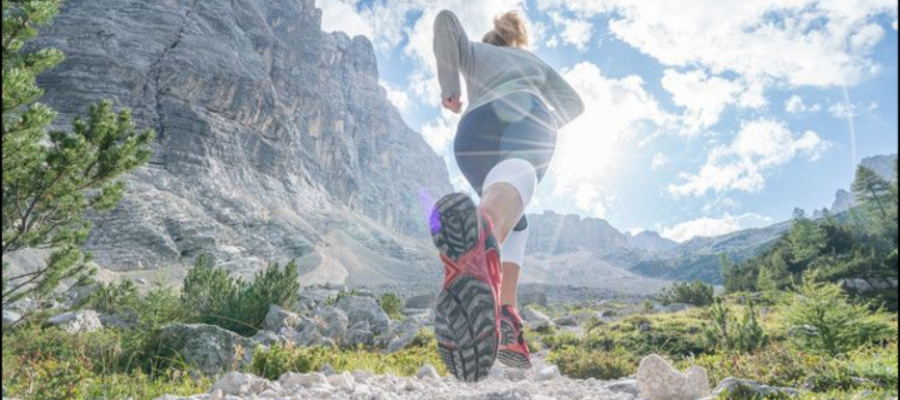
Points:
(697, 294)
(214, 298)
(51, 179)
(274, 362)
(859, 245)
(392, 305)
(822, 320)
(726, 333)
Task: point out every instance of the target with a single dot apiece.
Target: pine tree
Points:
(51, 178)
(808, 240)
(874, 193)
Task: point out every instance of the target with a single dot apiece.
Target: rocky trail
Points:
(541, 383)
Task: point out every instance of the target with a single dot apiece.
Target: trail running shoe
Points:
(514, 351)
(468, 313)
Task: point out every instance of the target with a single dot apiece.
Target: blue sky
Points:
(704, 116)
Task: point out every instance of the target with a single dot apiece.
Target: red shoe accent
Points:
(482, 262)
(513, 347)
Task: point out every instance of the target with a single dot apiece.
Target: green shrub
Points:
(52, 364)
(581, 363)
(873, 369)
(559, 341)
(214, 298)
(823, 320)
(392, 305)
(697, 294)
(674, 335)
(725, 333)
(113, 298)
(333, 300)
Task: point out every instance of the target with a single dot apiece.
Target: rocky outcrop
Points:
(274, 139)
(884, 166)
(658, 380)
(863, 286)
(85, 321)
(210, 349)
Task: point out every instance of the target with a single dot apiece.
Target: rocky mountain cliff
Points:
(881, 165)
(275, 141)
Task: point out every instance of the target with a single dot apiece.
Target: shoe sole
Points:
(466, 314)
(508, 358)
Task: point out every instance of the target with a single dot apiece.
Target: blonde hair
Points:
(510, 30)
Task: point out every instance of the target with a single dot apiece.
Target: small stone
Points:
(428, 372)
(302, 380)
(628, 386)
(548, 374)
(238, 384)
(343, 381)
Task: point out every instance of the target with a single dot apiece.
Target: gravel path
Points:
(540, 383)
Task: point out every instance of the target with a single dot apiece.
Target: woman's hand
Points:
(453, 104)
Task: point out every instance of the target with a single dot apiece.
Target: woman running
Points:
(504, 145)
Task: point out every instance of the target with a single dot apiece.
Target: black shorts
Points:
(518, 126)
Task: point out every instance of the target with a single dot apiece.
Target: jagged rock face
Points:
(271, 133)
(552, 233)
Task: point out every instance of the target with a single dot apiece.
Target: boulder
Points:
(278, 318)
(332, 321)
(210, 349)
(306, 332)
(83, 321)
(10, 318)
(360, 334)
(367, 310)
(658, 380)
(730, 385)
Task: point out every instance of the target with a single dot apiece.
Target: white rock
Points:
(548, 374)
(78, 321)
(343, 381)
(239, 384)
(428, 372)
(302, 380)
(658, 380)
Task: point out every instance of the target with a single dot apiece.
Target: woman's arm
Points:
(453, 52)
(567, 104)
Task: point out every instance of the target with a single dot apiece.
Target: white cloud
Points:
(797, 105)
(801, 42)
(588, 149)
(341, 15)
(704, 97)
(574, 31)
(553, 43)
(843, 110)
(710, 227)
(745, 47)
(439, 133)
(659, 161)
(759, 147)
(397, 96)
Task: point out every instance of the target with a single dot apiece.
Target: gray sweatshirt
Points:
(492, 72)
